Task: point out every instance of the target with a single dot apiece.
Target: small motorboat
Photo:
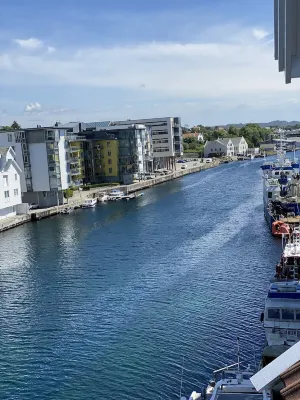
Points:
(280, 228)
(90, 203)
(103, 198)
(67, 210)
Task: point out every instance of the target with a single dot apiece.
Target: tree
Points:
(232, 131)
(15, 125)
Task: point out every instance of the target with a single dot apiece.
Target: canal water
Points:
(110, 302)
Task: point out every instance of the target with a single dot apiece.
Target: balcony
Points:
(73, 149)
(74, 160)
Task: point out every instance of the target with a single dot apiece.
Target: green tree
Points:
(15, 125)
(232, 131)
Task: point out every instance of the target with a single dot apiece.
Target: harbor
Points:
(169, 294)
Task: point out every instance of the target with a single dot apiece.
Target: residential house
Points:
(240, 145)
(10, 185)
(219, 147)
(253, 150)
(196, 135)
(166, 135)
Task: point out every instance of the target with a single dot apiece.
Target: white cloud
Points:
(259, 34)
(29, 44)
(33, 107)
(234, 66)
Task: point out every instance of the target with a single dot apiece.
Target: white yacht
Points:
(231, 383)
(115, 195)
(90, 203)
(281, 317)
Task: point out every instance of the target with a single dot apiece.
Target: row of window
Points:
(7, 197)
(284, 314)
(5, 180)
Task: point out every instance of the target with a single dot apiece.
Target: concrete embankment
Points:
(80, 198)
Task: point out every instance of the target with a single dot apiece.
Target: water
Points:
(104, 303)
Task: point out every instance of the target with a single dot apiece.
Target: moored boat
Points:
(115, 195)
(281, 317)
(90, 203)
(67, 210)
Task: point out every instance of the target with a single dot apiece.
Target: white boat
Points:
(67, 210)
(231, 383)
(103, 197)
(115, 195)
(90, 203)
(281, 317)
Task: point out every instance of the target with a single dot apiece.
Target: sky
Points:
(209, 62)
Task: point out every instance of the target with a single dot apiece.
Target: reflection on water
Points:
(108, 300)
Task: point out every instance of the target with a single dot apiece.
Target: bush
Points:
(68, 193)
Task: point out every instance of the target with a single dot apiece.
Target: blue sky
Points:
(209, 61)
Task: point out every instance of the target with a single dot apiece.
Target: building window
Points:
(109, 161)
(109, 153)
(16, 192)
(9, 137)
(108, 144)
(6, 196)
(110, 170)
(16, 177)
(5, 180)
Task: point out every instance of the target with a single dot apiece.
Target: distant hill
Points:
(265, 124)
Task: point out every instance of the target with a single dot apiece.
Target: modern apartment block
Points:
(10, 185)
(120, 153)
(166, 136)
(286, 37)
(47, 160)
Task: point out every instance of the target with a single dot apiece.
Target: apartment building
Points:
(120, 152)
(166, 134)
(10, 185)
(41, 155)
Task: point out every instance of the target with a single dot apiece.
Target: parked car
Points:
(184, 167)
(33, 206)
(208, 160)
(181, 161)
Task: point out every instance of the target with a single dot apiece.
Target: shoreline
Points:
(39, 214)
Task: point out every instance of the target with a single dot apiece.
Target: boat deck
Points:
(291, 220)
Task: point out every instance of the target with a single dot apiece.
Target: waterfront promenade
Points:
(79, 197)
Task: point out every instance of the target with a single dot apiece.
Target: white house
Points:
(219, 147)
(10, 185)
(240, 145)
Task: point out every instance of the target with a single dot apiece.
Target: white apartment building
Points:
(41, 154)
(10, 185)
(166, 139)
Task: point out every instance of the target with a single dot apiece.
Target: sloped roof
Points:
(236, 140)
(224, 140)
(101, 124)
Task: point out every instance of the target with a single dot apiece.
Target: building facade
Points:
(41, 153)
(10, 184)
(240, 145)
(287, 37)
(166, 134)
(219, 147)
